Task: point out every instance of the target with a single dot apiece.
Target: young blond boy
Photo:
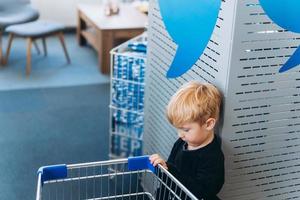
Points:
(196, 158)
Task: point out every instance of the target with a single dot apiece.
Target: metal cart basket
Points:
(133, 178)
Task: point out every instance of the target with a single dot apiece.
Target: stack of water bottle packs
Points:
(127, 67)
(127, 97)
(134, 130)
(127, 117)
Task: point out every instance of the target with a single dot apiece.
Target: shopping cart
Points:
(127, 179)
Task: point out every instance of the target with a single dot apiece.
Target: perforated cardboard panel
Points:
(261, 119)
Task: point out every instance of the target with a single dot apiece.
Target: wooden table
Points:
(103, 32)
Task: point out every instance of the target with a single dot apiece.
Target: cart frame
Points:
(138, 167)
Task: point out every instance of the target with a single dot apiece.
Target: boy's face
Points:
(194, 134)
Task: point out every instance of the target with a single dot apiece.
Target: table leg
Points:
(107, 45)
(81, 25)
(99, 40)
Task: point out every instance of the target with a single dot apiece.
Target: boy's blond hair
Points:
(194, 102)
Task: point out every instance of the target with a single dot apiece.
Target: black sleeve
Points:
(208, 181)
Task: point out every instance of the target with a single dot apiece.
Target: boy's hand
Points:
(155, 159)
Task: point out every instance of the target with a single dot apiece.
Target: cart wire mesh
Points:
(121, 179)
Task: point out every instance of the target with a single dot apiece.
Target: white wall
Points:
(63, 11)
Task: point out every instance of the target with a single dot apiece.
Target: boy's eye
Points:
(185, 130)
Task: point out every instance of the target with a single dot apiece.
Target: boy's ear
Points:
(210, 124)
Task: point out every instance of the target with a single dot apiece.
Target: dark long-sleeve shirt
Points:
(201, 170)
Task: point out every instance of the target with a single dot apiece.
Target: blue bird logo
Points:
(286, 15)
(190, 23)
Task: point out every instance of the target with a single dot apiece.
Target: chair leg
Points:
(1, 54)
(36, 47)
(28, 64)
(62, 41)
(10, 39)
(44, 46)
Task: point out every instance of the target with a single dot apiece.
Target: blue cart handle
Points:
(53, 172)
(140, 163)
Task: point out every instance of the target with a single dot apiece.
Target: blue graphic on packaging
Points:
(125, 146)
(286, 15)
(190, 23)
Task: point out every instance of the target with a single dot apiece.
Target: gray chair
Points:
(32, 31)
(14, 12)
